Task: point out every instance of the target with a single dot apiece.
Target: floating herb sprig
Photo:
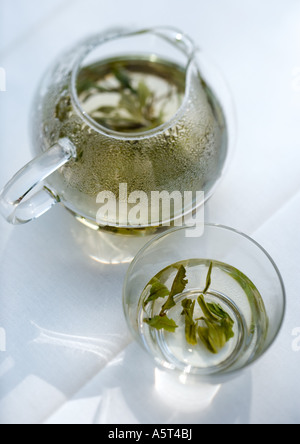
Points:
(216, 326)
(190, 324)
(162, 322)
(139, 108)
(179, 284)
(158, 290)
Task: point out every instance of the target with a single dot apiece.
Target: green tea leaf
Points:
(180, 282)
(203, 335)
(205, 309)
(178, 287)
(162, 323)
(188, 309)
(191, 333)
(130, 104)
(123, 77)
(105, 109)
(85, 85)
(216, 335)
(227, 325)
(168, 305)
(226, 321)
(144, 94)
(190, 325)
(158, 290)
(219, 326)
(217, 310)
(208, 279)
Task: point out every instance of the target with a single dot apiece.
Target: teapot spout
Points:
(178, 39)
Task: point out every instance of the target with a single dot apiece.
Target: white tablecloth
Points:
(68, 355)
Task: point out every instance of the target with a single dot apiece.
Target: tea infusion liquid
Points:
(134, 96)
(196, 336)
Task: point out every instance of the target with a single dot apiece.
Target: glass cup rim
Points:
(98, 41)
(239, 233)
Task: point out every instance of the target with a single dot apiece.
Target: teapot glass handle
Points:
(25, 197)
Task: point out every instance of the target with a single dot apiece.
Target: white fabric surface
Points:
(69, 357)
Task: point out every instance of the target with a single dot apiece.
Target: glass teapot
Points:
(124, 112)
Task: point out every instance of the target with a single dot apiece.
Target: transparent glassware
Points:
(245, 282)
(77, 157)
